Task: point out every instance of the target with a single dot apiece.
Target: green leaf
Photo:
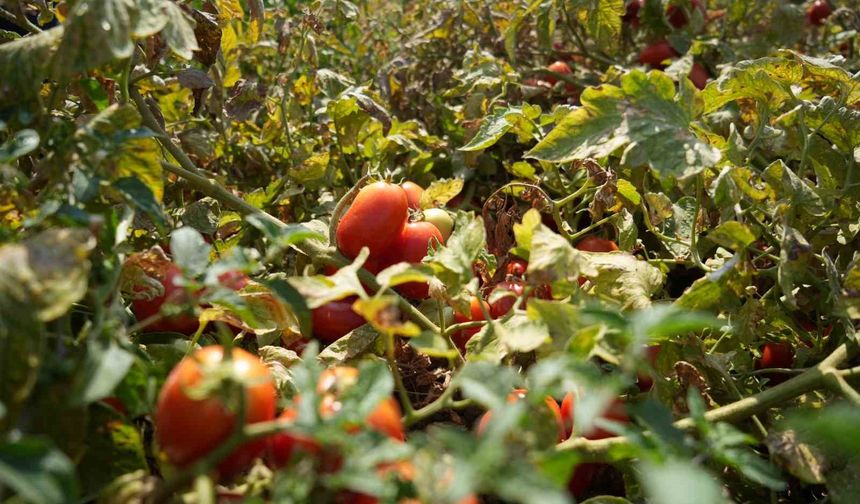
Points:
(290, 295)
(38, 472)
(104, 368)
(47, 272)
(495, 125)
(680, 482)
(602, 21)
(515, 25)
(440, 192)
(114, 448)
(96, 32)
(190, 251)
(643, 116)
(519, 334)
(138, 195)
(179, 31)
(350, 346)
(22, 143)
(24, 65)
(622, 277)
(732, 235)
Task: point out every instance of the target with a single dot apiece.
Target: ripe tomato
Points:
(811, 327)
(517, 395)
(502, 306)
(413, 194)
(335, 319)
(284, 446)
(516, 267)
(174, 294)
(644, 380)
(699, 75)
(631, 14)
(596, 244)
(581, 479)
(655, 54)
(476, 313)
(442, 220)
(775, 355)
(615, 412)
(559, 67)
(411, 246)
(678, 17)
(374, 220)
(817, 12)
(189, 428)
(385, 419)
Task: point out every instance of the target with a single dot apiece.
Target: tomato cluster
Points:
(285, 448)
(581, 478)
(192, 417)
(175, 294)
(379, 220)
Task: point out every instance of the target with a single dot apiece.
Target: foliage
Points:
(229, 137)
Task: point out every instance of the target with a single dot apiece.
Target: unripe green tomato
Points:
(441, 219)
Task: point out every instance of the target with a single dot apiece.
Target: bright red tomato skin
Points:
(413, 194)
(776, 355)
(817, 12)
(559, 67)
(596, 244)
(188, 429)
(502, 306)
(460, 338)
(333, 320)
(174, 294)
(699, 75)
(284, 446)
(411, 246)
(517, 267)
(654, 54)
(581, 479)
(374, 220)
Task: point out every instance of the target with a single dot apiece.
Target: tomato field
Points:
(429, 251)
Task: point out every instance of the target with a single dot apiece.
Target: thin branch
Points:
(598, 450)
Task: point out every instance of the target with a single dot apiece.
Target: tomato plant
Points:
(182, 177)
(190, 399)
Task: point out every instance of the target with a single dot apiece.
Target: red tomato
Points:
(559, 67)
(776, 355)
(811, 327)
(502, 306)
(699, 75)
(116, 404)
(678, 17)
(655, 54)
(615, 412)
(595, 244)
(644, 380)
(516, 267)
(189, 428)
(385, 419)
(631, 15)
(374, 220)
(817, 12)
(411, 246)
(581, 479)
(413, 194)
(517, 395)
(284, 446)
(335, 319)
(475, 314)
(174, 294)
